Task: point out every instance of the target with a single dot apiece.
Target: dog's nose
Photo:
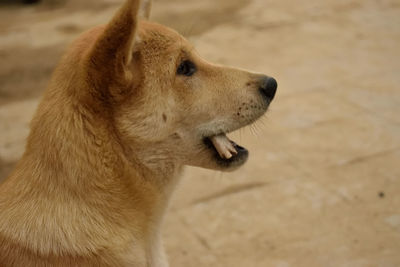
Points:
(268, 87)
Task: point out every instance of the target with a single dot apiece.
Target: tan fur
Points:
(108, 142)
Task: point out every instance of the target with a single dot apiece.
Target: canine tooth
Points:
(223, 146)
(227, 155)
(232, 149)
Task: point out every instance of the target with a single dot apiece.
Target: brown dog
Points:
(128, 106)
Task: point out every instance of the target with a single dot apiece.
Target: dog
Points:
(129, 105)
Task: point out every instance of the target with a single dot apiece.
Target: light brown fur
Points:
(108, 142)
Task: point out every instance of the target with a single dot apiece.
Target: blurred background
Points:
(322, 185)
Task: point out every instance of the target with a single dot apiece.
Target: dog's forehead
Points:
(162, 37)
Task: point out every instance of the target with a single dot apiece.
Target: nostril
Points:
(268, 87)
(272, 84)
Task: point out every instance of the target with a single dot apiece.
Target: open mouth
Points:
(226, 152)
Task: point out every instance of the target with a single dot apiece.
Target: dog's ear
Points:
(145, 8)
(110, 58)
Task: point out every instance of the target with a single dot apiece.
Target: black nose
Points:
(268, 87)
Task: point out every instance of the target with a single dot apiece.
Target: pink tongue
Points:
(223, 146)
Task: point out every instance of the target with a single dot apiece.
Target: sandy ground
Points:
(322, 186)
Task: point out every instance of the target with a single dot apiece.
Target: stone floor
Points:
(322, 185)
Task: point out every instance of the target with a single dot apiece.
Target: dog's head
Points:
(163, 98)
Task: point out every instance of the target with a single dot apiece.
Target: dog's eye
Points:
(186, 68)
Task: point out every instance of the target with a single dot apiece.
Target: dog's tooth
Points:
(223, 146)
(227, 155)
(232, 149)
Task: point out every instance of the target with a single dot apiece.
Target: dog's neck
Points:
(88, 175)
(157, 162)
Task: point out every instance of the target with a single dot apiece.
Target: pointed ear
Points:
(111, 54)
(145, 8)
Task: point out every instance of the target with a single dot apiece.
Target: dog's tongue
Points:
(223, 145)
